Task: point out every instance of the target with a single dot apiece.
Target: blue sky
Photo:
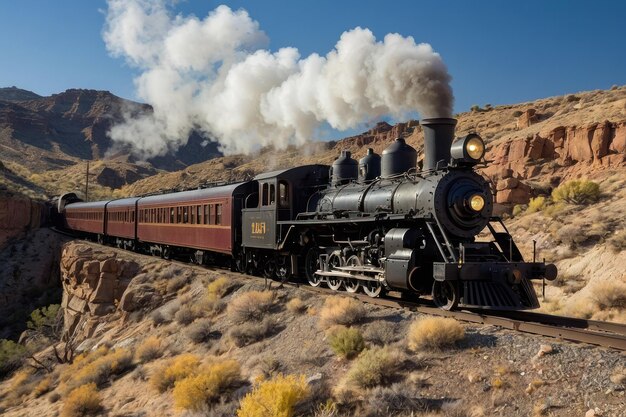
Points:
(497, 52)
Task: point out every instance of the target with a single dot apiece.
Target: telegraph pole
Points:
(87, 183)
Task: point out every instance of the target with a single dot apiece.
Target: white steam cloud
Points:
(212, 75)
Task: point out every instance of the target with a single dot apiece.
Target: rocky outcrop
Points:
(575, 148)
(527, 118)
(98, 286)
(18, 215)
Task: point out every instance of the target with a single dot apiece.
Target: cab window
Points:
(283, 194)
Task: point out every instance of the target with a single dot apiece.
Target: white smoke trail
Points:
(214, 76)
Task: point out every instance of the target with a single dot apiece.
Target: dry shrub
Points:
(536, 204)
(374, 367)
(44, 386)
(609, 294)
(618, 241)
(251, 305)
(197, 391)
(434, 333)
(20, 384)
(82, 401)
(296, 306)
(341, 310)
(518, 209)
(248, 333)
(98, 367)
(185, 315)
(276, 397)
(199, 331)
(381, 333)
(150, 349)
(571, 235)
(176, 283)
(176, 369)
(158, 318)
(385, 401)
(346, 342)
(218, 288)
(577, 192)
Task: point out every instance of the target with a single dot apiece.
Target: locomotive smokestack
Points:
(438, 137)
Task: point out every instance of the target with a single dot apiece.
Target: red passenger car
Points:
(86, 217)
(120, 216)
(205, 220)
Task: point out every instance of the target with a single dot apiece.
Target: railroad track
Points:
(600, 333)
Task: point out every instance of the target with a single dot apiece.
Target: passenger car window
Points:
(218, 214)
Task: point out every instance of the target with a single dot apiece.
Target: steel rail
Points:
(611, 335)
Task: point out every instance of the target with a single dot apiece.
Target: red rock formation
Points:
(18, 215)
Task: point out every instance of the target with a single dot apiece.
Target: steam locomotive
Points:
(376, 225)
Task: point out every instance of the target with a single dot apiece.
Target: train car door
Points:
(259, 224)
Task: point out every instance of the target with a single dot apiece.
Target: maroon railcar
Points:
(206, 220)
(86, 217)
(120, 215)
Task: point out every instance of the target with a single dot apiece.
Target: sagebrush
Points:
(434, 333)
(276, 397)
(341, 310)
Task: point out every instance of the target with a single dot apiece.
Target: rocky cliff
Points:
(19, 214)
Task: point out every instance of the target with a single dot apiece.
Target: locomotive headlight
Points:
(468, 150)
(477, 202)
(475, 147)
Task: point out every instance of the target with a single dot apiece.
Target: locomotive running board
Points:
(340, 274)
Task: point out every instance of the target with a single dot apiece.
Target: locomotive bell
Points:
(438, 137)
(344, 169)
(398, 158)
(369, 166)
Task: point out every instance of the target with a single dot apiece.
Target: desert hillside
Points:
(43, 140)
(141, 336)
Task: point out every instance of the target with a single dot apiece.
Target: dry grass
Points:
(341, 310)
(609, 294)
(199, 331)
(346, 343)
(296, 306)
(374, 367)
(276, 397)
(44, 386)
(185, 315)
(251, 305)
(434, 333)
(247, 333)
(617, 242)
(176, 369)
(218, 288)
(97, 367)
(381, 333)
(195, 392)
(150, 349)
(82, 401)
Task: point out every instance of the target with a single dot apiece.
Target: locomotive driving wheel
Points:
(334, 260)
(445, 294)
(352, 285)
(373, 288)
(312, 264)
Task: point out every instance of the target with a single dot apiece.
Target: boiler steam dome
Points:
(369, 166)
(398, 158)
(344, 169)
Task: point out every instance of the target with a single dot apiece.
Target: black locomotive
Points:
(377, 225)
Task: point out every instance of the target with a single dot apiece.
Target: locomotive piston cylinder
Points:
(438, 137)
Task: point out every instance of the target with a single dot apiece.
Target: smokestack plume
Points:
(213, 76)
(438, 137)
